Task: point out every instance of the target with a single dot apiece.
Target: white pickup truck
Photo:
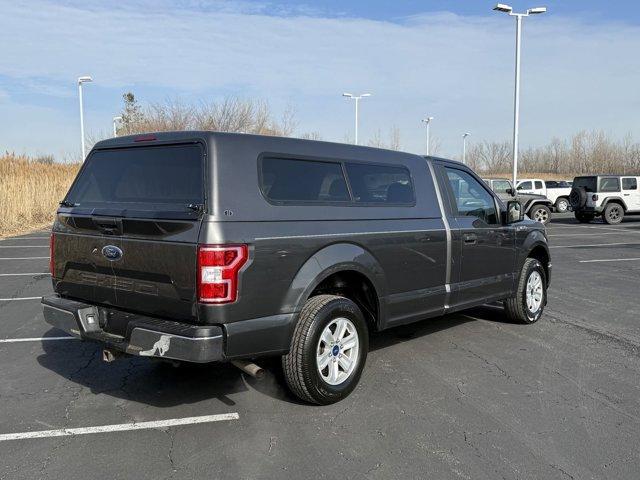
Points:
(557, 191)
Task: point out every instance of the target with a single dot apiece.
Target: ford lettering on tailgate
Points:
(119, 283)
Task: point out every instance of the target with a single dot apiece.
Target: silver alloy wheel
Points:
(562, 205)
(534, 292)
(614, 213)
(338, 351)
(541, 215)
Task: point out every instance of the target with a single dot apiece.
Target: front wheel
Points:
(528, 303)
(541, 214)
(328, 350)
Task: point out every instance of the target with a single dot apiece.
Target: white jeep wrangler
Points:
(609, 196)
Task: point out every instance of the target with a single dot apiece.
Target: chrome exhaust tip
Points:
(108, 356)
(250, 368)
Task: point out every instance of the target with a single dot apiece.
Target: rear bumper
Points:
(145, 336)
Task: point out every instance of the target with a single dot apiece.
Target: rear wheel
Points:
(613, 213)
(584, 217)
(562, 205)
(541, 214)
(527, 305)
(328, 350)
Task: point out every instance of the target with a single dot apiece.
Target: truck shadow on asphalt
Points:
(630, 222)
(161, 384)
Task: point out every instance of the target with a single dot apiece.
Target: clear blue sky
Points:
(449, 59)
(624, 10)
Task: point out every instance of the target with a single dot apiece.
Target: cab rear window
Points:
(149, 178)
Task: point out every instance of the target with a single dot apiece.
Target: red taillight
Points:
(52, 262)
(145, 138)
(218, 267)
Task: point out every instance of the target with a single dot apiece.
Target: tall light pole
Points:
(464, 146)
(427, 122)
(115, 125)
(357, 98)
(82, 80)
(500, 7)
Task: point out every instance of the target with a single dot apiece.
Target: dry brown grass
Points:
(30, 192)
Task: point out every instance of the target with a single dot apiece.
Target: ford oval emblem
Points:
(111, 253)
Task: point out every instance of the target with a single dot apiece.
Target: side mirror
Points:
(510, 192)
(514, 212)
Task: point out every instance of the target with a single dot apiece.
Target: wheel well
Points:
(356, 287)
(540, 254)
(618, 201)
(535, 204)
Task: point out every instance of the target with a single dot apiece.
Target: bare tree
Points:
(435, 145)
(311, 136)
(394, 138)
(585, 153)
(376, 140)
(232, 114)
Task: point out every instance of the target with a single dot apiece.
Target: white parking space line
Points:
(594, 245)
(610, 260)
(35, 339)
(597, 227)
(24, 246)
(582, 234)
(19, 298)
(24, 238)
(121, 427)
(24, 258)
(23, 274)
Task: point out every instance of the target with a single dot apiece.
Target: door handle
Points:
(470, 238)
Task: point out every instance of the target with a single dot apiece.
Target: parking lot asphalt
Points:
(468, 396)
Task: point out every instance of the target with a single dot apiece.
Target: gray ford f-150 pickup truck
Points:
(206, 247)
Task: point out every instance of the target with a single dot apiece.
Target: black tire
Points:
(540, 213)
(578, 197)
(299, 365)
(516, 307)
(584, 217)
(562, 205)
(613, 213)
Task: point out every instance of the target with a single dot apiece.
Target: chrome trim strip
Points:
(447, 228)
(349, 234)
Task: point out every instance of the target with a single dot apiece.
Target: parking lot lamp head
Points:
(536, 10)
(81, 80)
(501, 7)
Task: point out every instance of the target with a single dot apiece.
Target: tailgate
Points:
(127, 234)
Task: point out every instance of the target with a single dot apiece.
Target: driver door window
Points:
(471, 199)
(524, 186)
